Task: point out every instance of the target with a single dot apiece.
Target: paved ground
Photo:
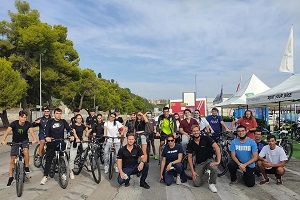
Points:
(83, 187)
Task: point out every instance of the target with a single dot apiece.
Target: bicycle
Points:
(89, 153)
(36, 155)
(19, 171)
(60, 164)
(139, 143)
(112, 155)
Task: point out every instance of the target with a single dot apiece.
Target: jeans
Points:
(169, 175)
(107, 151)
(248, 175)
(134, 170)
(184, 141)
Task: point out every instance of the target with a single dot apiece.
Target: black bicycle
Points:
(37, 157)
(88, 157)
(19, 171)
(60, 163)
(224, 144)
(139, 143)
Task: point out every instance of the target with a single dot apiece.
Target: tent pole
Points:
(279, 115)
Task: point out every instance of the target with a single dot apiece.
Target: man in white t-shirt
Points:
(272, 160)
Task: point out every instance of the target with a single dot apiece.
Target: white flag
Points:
(287, 62)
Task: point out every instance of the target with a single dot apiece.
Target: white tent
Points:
(253, 87)
(287, 92)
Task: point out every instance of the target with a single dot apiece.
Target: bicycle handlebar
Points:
(17, 143)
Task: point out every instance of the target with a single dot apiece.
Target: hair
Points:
(92, 110)
(76, 110)
(57, 110)
(115, 117)
(166, 108)
(178, 115)
(171, 135)
(251, 115)
(258, 129)
(45, 108)
(269, 137)
(130, 134)
(99, 115)
(77, 116)
(132, 113)
(22, 113)
(149, 111)
(194, 126)
(187, 110)
(197, 110)
(215, 109)
(241, 126)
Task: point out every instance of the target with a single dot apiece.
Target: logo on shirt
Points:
(174, 151)
(56, 125)
(242, 148)
(20, 131)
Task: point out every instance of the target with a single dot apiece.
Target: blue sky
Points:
(156, 48)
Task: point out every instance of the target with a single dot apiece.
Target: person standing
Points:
(98, 129)
(139, 130)
(91, 119)
(129, 125)
(203, 123)
(150, 130)
(185, 128)
(244, 154)
(216, 122)
(249, 121)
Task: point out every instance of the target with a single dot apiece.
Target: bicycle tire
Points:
(186, 167)
(37, 161)
(101, 155)
(44, 161)
(96, 171)
(78, 164)
(52, 168)
(19, 177)
(63, 172)
(223, 166)
(110, 169)
(288, 149)
(148, 151)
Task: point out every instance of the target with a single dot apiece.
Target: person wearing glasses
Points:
(76, 111)
(203, 147)
(41, 123)
(171, 163)
(111, 129)
(244, 154)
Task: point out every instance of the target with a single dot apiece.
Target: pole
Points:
(195, 92)
(40, 84)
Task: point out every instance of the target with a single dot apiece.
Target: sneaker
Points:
(145, 185)
(27, 172)
(106, 169)
(279, 181)
(127, 184)
(10, 181)
(64, 177)
(233, 182)
(178, 181)
(212, 188)
(155, 157)
(44, 180)
(116, 169)
(264, 181)
(72, 175)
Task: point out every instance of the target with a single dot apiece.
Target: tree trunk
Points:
(4, 119)
(81, 100)
(24, 105)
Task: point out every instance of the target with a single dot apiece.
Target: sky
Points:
(162, 48)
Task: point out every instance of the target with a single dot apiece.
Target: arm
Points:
(190, 160)
(233, 124)
(224, 125)
(145, 117)
(105, 130)
(8, 130)
(218, 154)
(281, 164)
(119, 165)
(34, 140)
(253, 159)
(182, 132)
(75, 136)
(162, 167)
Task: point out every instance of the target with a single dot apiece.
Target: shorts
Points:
(163, 136)
(143, 138)
(273, 170)
(42, 136)
(15, 148)
(151, 136)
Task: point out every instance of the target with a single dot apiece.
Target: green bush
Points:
(227, 118)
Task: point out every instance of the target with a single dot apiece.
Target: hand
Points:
(194, 174)
(48, 139)
(157, 134)
(34, 141)
(94, 134)
(38, 121)
(161, 177)
(214, 164)
(72, 138)
(169, 166)
(122, 174)
(242, 167)
(141, 166)
(3, 142)
(267, 164)
(77, 140)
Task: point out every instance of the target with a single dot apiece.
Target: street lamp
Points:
(41, 84)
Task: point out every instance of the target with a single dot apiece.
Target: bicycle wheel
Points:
(19, 166)
(288, 149)
(101, 155)
(37, 159)
(95, 166)
(148, 151)
(110, 169)
(223, 166)
(52, 168)
(78, 164)
(44, 161)
(186, 167)
(63, 172)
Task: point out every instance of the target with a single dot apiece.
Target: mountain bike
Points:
(19, 171)
(37, 157)
(88, 157)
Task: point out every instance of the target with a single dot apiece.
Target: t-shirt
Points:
(91, 120)
(20, 133)
(139, 125)
(130, 125)
(243, 151)
(171, 154)
(55, 129)
(129, 159)
(98, 128)
(274, 156)
(149, 128)
(203, 151)
(249, 124)
(186, 126)
(113, 130)
(260, 145)
(215, 122)
(79, 130)
(120, 119)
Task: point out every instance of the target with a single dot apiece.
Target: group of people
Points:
(177, 138)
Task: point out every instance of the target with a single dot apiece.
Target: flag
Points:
(221, 94)
(287, 62)
(239, 85)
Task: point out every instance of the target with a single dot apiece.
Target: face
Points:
(171, 141)
(133, 116)
(176, 116)
(196, 131)
(92, 113)
(166, 113)
(22, 118)
(187, 114)
(79, 119)
(112, 117)
(257, 135)
(130, 140)
(99, 118)
(248, 114)
(214, 112)
(46, 113)
(272, 143)
(140, 116)
(241, 132)
(57, 115)
(196, 113)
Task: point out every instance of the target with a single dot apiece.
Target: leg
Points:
(262, 169)
(153, 147)
(213, 173)
(249, 177)
(127, 171)
(42, 143)
(169, 177)
(232, 167)
(106, 153)
(144, 173)
(199, 169)
(26, 156)
(184, 142)
(280, 172)
(73, 153)
(12, 165)
(49, 157)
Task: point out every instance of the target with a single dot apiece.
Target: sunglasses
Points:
(170, 140)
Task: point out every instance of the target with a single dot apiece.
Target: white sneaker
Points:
(116, 169)
(106, 169)
(213, 188)
(64, 177)
(72, 175)
(178, 181)
(44, 180)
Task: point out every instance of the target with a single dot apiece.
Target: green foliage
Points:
(227, 118)
(12, 88)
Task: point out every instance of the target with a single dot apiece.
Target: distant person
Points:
(260, 144)
(150, 129)
(76, 111)
(139, 130)
(19, 129)
(178, 120)
(129, 125)
(249, 121)
(203, 123)
(91, 119)
(185, 128)
(272, 160)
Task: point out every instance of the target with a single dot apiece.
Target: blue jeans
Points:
(134, 170)
(169, 175)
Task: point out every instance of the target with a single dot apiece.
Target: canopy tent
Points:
(253, 86)
(286, 93)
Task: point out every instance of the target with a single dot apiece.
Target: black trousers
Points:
(248, 176)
